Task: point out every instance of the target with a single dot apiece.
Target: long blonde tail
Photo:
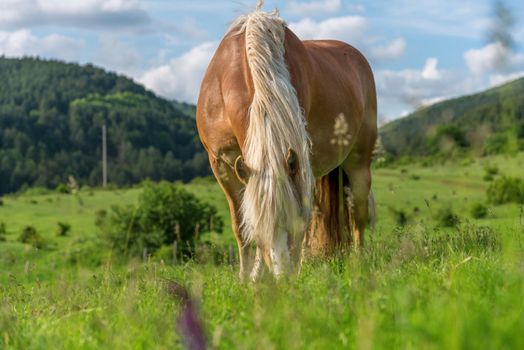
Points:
(273, 201)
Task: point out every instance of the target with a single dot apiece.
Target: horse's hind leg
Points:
(359, 175)
(232, 188)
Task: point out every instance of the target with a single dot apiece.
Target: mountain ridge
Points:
(487, 122)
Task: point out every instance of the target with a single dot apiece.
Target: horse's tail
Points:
(275, 200)
(330, 227)
(330, 224)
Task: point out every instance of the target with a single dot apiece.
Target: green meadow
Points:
(418, 284)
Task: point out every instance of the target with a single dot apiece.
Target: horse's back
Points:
(339, 65)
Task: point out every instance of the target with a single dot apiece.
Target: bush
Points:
(479, 211)
(488, 177)
(491, 169)
(496, 144)
(400, 216)
(62, 229)
(85, 252)
(31, 236)
(1, 201)
(62, 188)
(445, 217)
(165, 213)
(100, 218)
(506, 190)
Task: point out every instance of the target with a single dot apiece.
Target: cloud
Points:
(458, 19)
(180, 79)
(391, 50)
(16, 14)
(350, 29)
(488, 58)
(311, 8)
(23, 42)
(430, 71)
(418, 87)
(113, 53)
(494, 58)
(499, 79)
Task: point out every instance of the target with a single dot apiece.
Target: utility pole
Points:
(104, 156)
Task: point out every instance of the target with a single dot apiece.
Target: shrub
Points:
(491, 169)
(506, 190)
(165, 252)
(446, 217)
(1, 201)
(164, 213)
(85, 252)
(400, 216)
(488, 177)
(496, 144)
(447, 138)
(62, 229)
(62, 188)
(31, 236)
(479, 211)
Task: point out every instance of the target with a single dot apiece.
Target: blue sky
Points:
(421, 51)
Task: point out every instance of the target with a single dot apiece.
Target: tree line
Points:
(51, 116)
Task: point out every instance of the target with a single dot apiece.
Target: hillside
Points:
(489, 122)
(51, 115)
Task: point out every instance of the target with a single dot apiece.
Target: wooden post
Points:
(104, 156)
(175, 252)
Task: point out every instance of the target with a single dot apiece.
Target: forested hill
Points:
(51, 115)
(485, 123)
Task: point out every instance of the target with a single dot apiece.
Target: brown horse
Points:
(274, 114)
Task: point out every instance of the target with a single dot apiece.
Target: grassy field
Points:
(414, 286)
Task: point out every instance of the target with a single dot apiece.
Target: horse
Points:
(289, 127)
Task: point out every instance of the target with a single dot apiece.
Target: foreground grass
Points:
(396, 294)
(421, 286)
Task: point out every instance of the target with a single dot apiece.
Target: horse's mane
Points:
(273, 202)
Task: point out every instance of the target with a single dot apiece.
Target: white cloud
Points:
(16, 14)
(311, 8)
(488, 58)
(180, 79)
(430, 71)
(350, 29)
(494, 58)
(417, 87)
(391, 50)
(353, 30)
(23, 42)
(499, 79)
